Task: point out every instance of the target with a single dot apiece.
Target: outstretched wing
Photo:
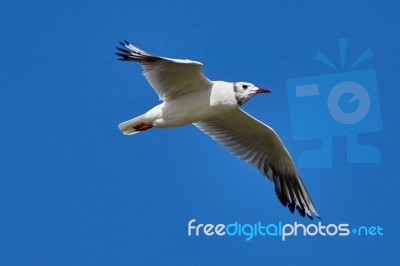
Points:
(169, 77)
(259, 145)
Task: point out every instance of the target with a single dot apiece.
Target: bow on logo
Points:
(344, 103)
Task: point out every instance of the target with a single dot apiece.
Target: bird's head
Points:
(244, 91)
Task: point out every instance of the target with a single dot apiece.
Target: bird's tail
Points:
(134, 125)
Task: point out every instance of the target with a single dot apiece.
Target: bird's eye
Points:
(244, 87)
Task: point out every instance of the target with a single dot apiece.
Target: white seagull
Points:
(214, 107)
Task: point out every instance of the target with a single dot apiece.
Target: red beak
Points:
(262, 90)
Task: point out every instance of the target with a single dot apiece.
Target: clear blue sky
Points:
(75, 191)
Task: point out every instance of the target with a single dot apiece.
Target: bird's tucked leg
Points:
(142, 127)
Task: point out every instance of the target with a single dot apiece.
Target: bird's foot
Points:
(142, 127)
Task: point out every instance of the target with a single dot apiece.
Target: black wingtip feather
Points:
(123, 57)
(119, 54)
(131, 54)
(282, 199)
(291, 207)
(123, 50)
(280, 183)
(301, 211)
(126, 53)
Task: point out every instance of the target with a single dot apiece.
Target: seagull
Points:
(188, 97)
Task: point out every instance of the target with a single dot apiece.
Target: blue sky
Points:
(75, 191)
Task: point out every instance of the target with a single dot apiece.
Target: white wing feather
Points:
(169, 77)
(259, 145)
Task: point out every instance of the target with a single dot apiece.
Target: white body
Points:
(192, 107)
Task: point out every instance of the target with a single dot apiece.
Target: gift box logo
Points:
(337, 104)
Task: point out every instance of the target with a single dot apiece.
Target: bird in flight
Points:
(188, 97)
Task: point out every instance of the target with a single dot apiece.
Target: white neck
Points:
(222, 94)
